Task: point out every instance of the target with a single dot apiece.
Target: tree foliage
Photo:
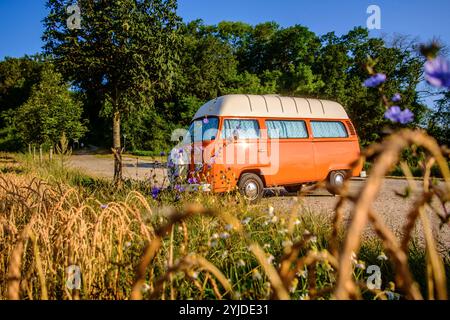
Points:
(126, 52)
(142, 72)
(50, 111)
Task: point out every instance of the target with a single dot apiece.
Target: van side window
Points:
(285, 129)
(328, 129)
(246, 129)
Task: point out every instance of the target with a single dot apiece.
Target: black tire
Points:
(294, 189)
(251, 187)
(335, 181)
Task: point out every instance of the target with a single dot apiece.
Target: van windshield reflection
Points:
(204, 129)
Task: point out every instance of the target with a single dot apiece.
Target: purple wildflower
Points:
(437, 72)
(192, 180)
(170, 164)
(155, 192)
(180, 151)
(395, 114)
(179, 188)
(406, 116)
(375, 80)
(104, 206)
(162, 154)
(205, 120)
(396, 97)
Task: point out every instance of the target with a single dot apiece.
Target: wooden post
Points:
(40, 154)
(34, 153)
(137, 168)
(51, 153)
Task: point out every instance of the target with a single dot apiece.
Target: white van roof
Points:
(272, 106)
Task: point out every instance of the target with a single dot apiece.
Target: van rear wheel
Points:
(335, 182)
(294, 189)
(251, 187)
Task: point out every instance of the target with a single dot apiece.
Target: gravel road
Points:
(390, 206)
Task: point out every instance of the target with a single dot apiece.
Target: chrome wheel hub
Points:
(339, 180)
(251, 190)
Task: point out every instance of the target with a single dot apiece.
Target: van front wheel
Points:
(251, 187)
(335, 181)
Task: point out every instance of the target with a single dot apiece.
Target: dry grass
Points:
(205, 247)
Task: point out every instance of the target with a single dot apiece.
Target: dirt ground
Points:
(390, 206)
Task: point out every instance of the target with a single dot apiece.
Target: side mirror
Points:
(235, 135)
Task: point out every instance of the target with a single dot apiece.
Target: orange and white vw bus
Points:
(252, 142)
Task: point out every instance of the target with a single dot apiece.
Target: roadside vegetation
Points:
(133, 243)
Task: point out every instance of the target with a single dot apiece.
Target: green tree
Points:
(17, 76)
(50, 111)
(439, 120)
(126, 52)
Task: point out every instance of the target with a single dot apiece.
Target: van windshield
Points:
(204, 129)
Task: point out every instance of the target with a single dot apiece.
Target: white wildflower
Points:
(241, 263)
(302, 273)
(256, 275)
(313, 239)
(215, 236)
(270, 259)
(224, 235)
(229, 227)
(382, 257)
(145, 287)
(271, 211)
(360, 265)
(246, 221)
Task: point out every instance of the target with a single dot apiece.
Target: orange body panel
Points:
(299, 160)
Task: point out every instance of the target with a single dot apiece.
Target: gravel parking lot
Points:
(390, 206)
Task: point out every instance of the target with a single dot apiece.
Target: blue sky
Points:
(21, 27)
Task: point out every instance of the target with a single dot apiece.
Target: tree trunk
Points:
(117, 150)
